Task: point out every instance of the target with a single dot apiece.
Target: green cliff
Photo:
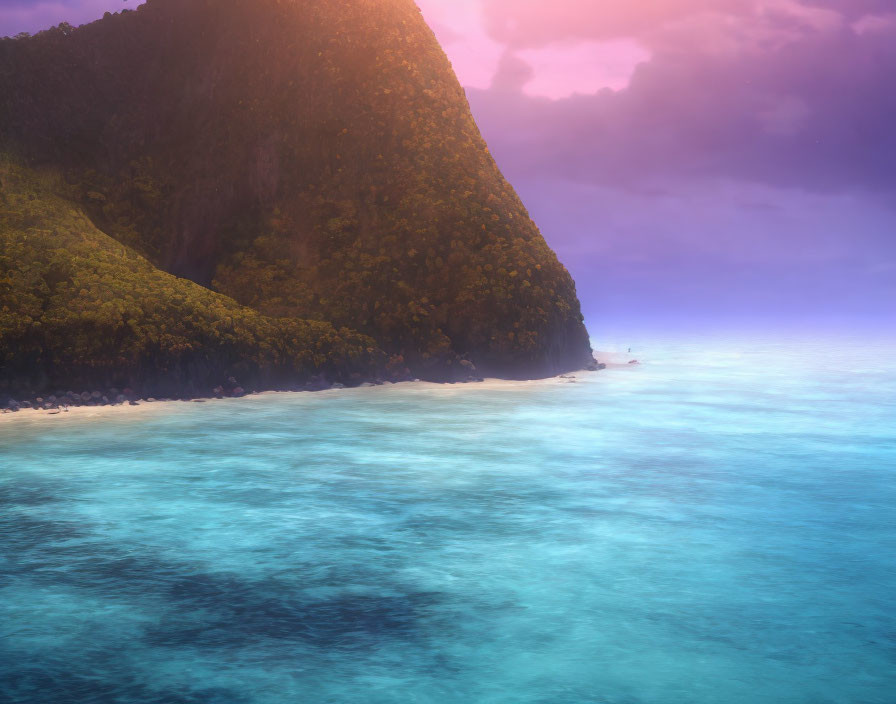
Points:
(306, 159)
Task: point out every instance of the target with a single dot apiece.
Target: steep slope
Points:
(309, 158)
(79, 310)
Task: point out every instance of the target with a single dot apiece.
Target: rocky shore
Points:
(61, 401)
(231, 388)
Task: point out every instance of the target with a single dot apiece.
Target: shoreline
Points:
(140, 407)
(145, 407)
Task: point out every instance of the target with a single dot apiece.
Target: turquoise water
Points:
(715, 525)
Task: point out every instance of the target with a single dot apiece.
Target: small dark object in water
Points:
(634, 361)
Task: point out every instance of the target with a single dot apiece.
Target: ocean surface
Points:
(715, 525)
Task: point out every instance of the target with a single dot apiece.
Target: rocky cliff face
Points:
(311, 160)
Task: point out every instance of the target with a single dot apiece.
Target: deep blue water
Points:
(717, 525)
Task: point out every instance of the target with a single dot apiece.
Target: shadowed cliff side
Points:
(308, 159)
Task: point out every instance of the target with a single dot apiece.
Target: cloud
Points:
(875, 24)
(512, 76)
(559, 68)
(787, 92)
(562, 69)
(743, 167)
(790, 95)
(528, 23)
(458, 26)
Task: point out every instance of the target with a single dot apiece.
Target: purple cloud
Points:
(746, 169)
(799, 107)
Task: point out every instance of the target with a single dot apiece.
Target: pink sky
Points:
(559, 69)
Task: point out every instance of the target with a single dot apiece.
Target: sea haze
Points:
(712, 525)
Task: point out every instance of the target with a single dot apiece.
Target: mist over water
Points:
(713, 525)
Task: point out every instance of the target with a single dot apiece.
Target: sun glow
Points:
(559, 69)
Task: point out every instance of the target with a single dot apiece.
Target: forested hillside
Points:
(310, 159)
(80, 310)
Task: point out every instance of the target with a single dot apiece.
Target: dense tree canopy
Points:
(309, 159)
(79, 309)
